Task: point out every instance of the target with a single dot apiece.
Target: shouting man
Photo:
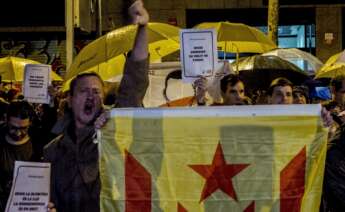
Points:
(75, 184)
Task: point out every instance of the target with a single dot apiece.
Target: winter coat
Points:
(75, 183)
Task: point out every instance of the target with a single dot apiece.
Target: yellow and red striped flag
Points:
(239, 158)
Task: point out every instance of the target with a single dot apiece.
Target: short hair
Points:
(176, 74)
(230, 79)
(20, 109)
(281, 81)
(337, 83)
(80, 76)
(11, 94)
(304, 90)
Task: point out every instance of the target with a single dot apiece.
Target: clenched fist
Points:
(138, 13)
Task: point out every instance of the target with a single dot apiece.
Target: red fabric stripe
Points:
(180, 208)
(250, 208)
(292, 180)
(138, 186)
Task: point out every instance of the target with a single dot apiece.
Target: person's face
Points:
(339, 96)
(87, 100)
(299, 98)
(234, 95)
(281, 95)
(18, 128)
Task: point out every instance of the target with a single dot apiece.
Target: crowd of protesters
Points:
(62, 132)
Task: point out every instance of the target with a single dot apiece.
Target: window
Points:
(295, 36)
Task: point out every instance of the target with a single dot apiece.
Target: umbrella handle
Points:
(237, 56)
(224, 58)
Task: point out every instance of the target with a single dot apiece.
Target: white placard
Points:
(36, 82)
(198, 53)
(30, 187)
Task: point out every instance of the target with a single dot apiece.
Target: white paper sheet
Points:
(198, 53)
(36, 82)
(30, 187)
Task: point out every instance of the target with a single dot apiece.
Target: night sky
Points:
(14, 13)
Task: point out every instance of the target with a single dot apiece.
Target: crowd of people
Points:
(62, 132)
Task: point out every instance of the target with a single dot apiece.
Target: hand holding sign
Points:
(200, 86)
(51, 207)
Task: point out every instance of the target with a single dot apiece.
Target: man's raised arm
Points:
(135, 79)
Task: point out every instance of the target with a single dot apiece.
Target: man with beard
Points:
(15, 144)
(75, 183)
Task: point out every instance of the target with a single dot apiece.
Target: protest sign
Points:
(36, 82)
(198, 53)
(30, 187)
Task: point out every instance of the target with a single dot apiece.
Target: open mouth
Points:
(88, 108)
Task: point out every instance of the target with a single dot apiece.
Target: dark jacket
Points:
(334, 179)
(75, 184)
(8, 155)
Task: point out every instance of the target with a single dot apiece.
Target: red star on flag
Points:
(218, 175)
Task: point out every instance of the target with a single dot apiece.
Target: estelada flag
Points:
(238, 158)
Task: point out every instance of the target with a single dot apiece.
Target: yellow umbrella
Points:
(12, 69)
(107, 70)
(236, 37)
(334, 67)
(106, 54)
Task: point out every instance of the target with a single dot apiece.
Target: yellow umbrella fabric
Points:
(334, 67)
(106, 54)
(12, 69)
(237, 37)
(107, 70)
